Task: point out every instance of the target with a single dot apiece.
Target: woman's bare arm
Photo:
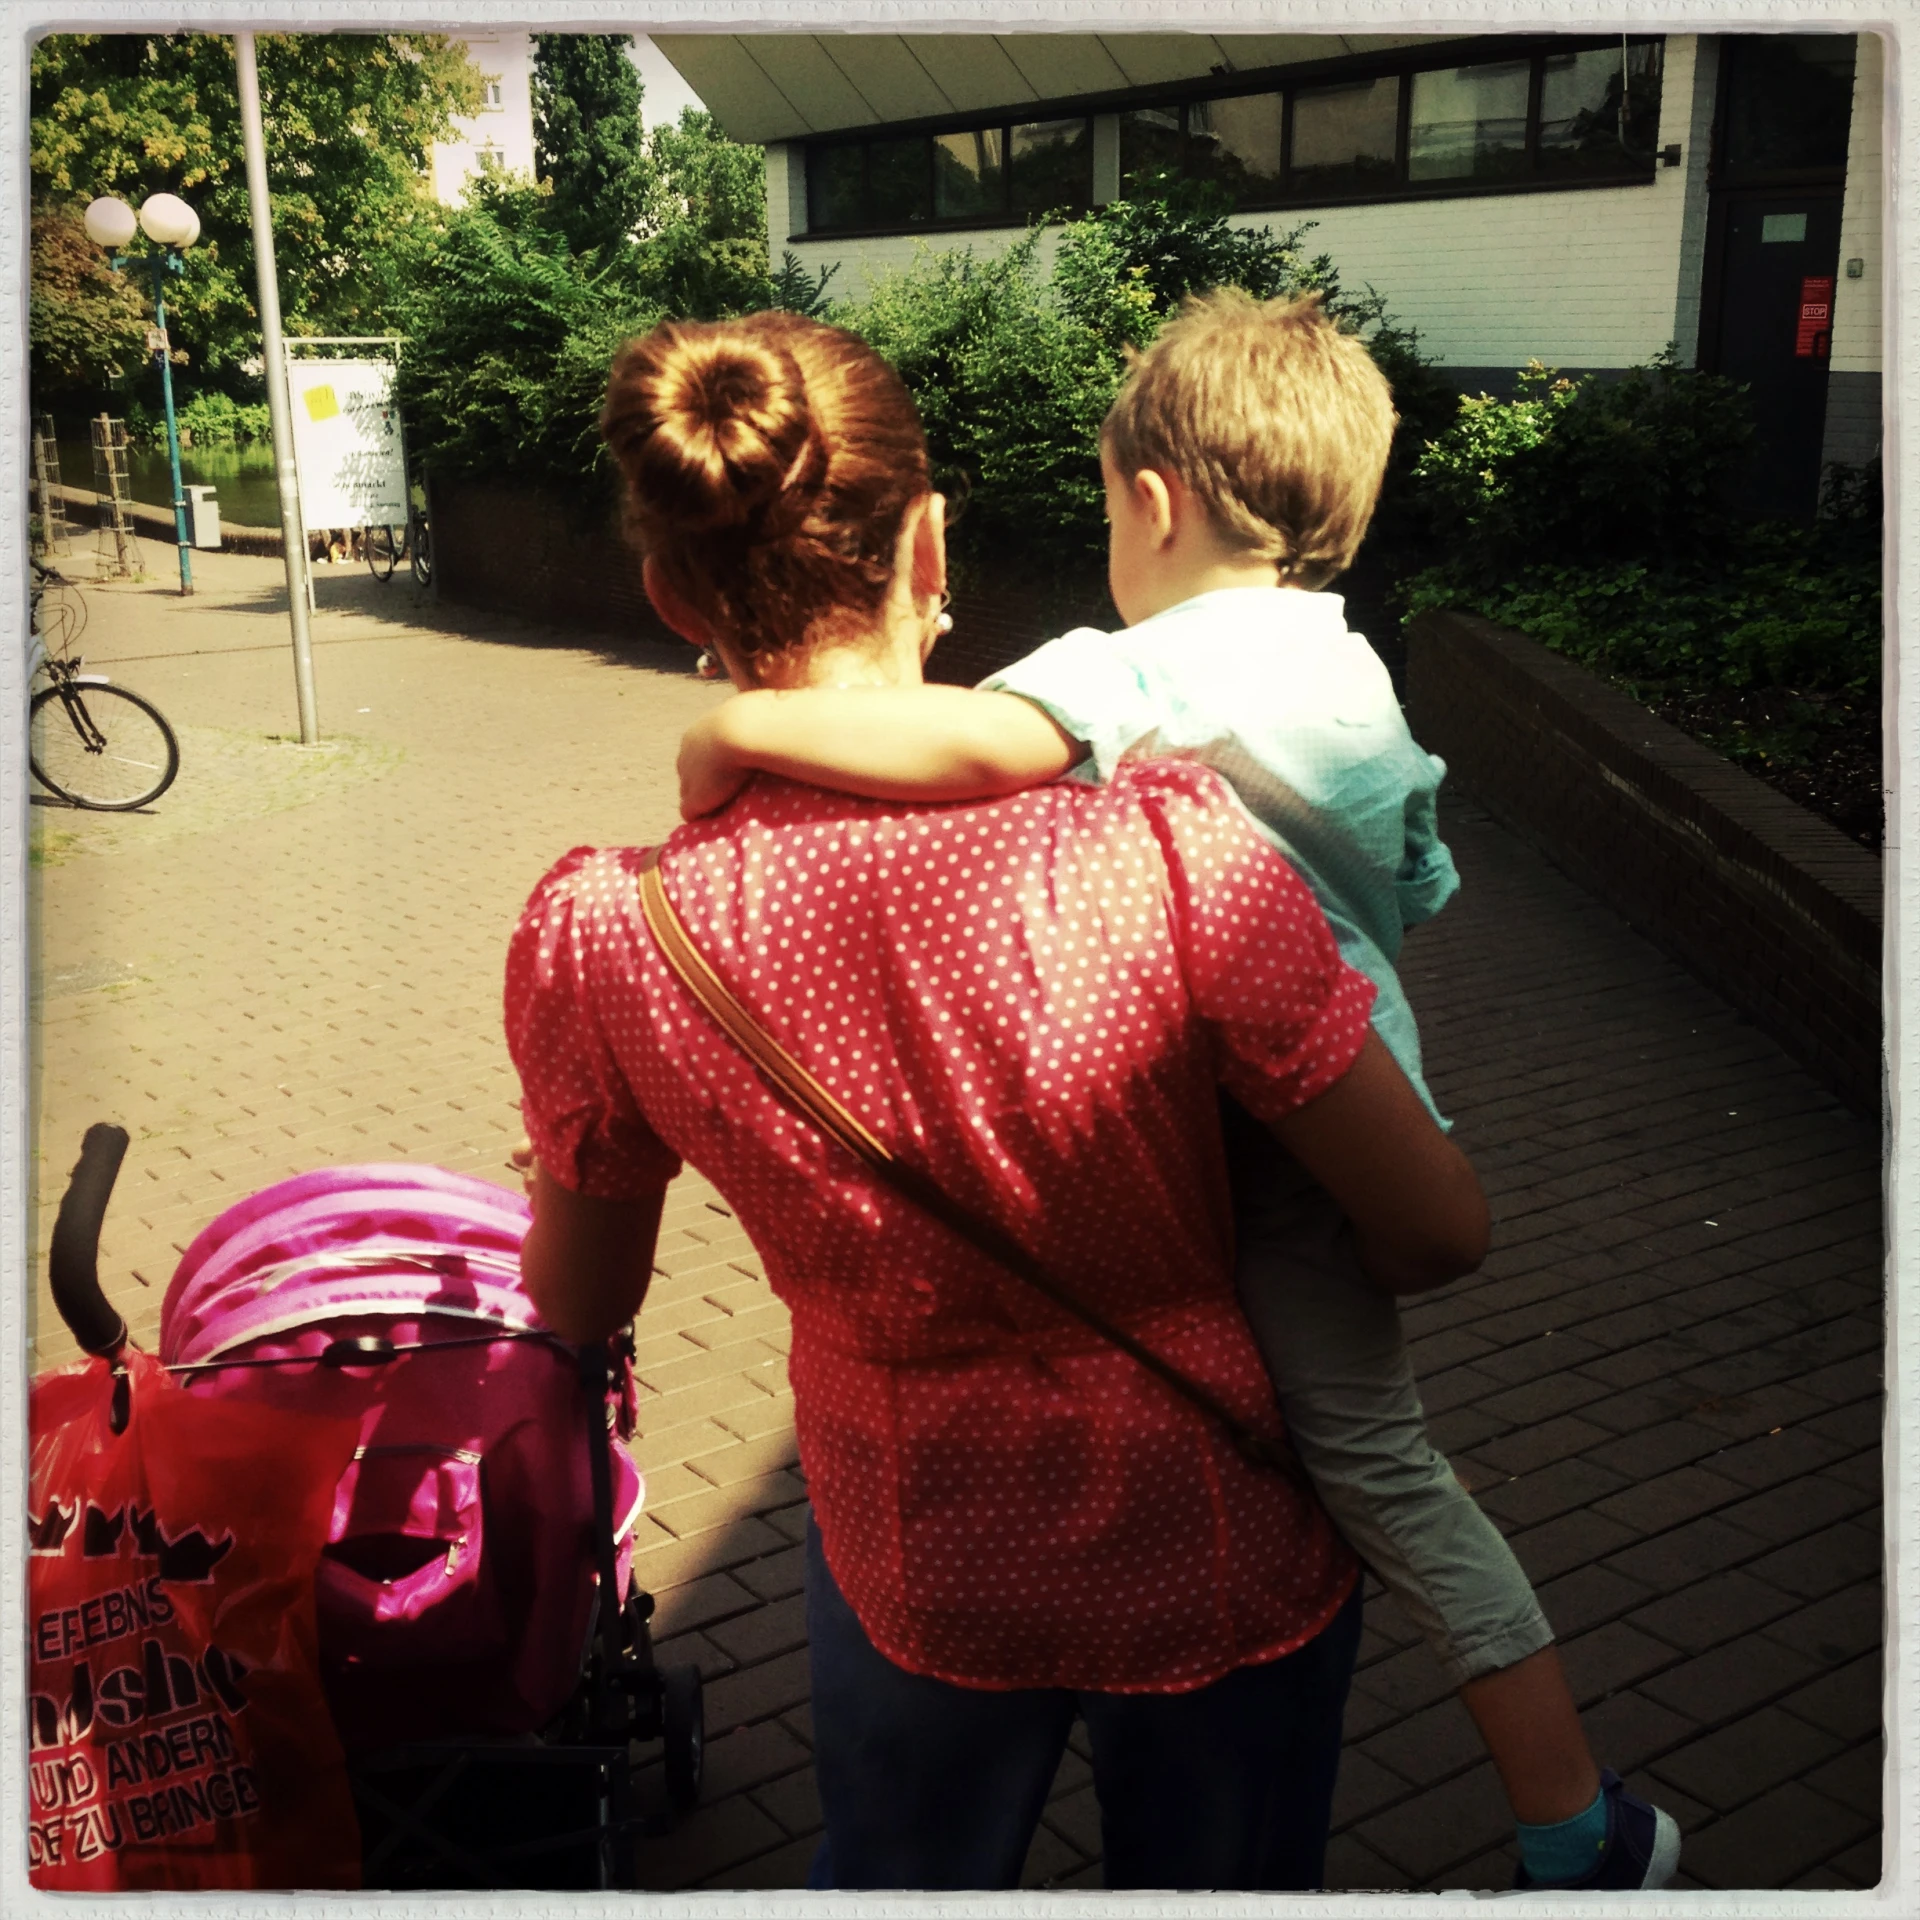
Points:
(586, 1262)
(1414, 1200)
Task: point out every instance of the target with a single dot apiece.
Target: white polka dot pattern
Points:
(1034, 999)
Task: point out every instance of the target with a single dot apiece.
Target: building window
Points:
(1346, 139)
(1596, 108)
(1006, 171)
(1555, 114)
(1786, 105)
(493, 96)
(1469, 123)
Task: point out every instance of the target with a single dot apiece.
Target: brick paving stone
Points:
(1609, 1658)
(1669, 1499)
(1856, 1778)
(1075, 1817)
(758, 1692)
(712, 1838)
(1526, 1448)
(1724, 1607)
(1823, 1561)
(1628, 1730)
(1801, 1506)
(1433, 1744)
(1352, 1867)
(1847, 1701)
(1834, 1629)
(1365, 1784)
(1729, 1679)
(783, 1868)
(774, 1575)
(1861, 1863)
(1738, 1762)
(1442, 1826)
(1770, 1841)
(1571, 1541)
(748, 1756)
(1538, 1496)
(1588, 1597)
(1050, 1859)
(767, 1630)
(793, 1800)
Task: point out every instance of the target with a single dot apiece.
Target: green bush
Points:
(1783, 607)
(509, 337)
(1585, 472)
(207, 419)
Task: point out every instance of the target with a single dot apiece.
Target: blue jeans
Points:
(927, 1785)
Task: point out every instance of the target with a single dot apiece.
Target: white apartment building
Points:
(1579, 199)
(502, 131)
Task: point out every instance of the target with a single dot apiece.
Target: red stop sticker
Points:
(1814, 338)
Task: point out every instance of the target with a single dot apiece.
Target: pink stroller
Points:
(485, 1695)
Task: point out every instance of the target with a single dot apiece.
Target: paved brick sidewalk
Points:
(1666, 1384)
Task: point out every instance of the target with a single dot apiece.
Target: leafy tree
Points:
(86, 323)
(509, 337)
(349, 119)
(588, 141)
(704, 236)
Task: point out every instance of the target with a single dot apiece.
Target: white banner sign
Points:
(347, 443)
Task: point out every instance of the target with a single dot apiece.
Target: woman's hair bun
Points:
(713, 431)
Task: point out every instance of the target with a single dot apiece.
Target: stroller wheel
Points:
(684, 1727)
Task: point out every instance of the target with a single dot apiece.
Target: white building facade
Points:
(501, 133)
(1582, 200)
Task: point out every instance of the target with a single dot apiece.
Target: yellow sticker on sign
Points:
(321, 405)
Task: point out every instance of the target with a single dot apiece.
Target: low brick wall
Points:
(1766, 902)
(507, 547)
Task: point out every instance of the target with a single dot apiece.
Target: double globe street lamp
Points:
(172, 226)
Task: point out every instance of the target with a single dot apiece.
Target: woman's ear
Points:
(678, 612)
(930, 549)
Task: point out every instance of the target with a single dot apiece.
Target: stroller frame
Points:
(442, 1814)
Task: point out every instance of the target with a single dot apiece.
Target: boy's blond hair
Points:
(1278, 422)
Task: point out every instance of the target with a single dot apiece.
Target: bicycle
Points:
(385, 550)
(92, 743)
(386, 547)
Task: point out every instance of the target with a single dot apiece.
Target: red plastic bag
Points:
(178, 1734)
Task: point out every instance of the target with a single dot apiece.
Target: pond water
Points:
(243, 476)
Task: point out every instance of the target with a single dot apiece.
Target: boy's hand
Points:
(710, 773)
(523, 1163)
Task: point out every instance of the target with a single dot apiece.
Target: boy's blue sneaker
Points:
(1642, 1847)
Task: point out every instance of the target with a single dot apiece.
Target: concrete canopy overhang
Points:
(764, 87)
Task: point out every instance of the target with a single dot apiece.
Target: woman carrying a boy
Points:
(1033, 1000)
(1242, 461)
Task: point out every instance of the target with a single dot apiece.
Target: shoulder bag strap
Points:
(802, 1091)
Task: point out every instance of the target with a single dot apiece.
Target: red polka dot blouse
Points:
(1034, 999)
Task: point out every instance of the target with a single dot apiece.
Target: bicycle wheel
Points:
(101, 746)
(383, 549)
(422, 552)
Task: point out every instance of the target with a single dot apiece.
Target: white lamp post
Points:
(172, 226)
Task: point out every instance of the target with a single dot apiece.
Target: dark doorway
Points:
(1773, 247)
(1779, 253)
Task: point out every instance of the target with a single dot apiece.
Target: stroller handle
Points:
(73, 1259)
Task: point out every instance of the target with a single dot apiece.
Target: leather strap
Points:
(802, 1091)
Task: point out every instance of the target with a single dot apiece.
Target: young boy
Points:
(1242, 461)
